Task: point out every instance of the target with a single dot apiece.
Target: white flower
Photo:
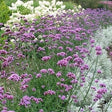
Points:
(59, 3)
(13, 8)
(29, 3)
(44, 8)
(62, 6)
(53, 2)
(79, 6)
(46, 3)
(40, 36)
(40, 3)
(13, 5)
(35, 39)
(30, 16)
(12, 40)
(19, 3)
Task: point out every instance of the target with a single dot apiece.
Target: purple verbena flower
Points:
(25, 101)
(49, 92)
(14, 77)
(46, 58)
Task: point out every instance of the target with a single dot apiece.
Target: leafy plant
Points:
(69, 5)
(4, 12)
(9, 2)
(89, 3)
(23, 10)
(25, 0)
(86, 3)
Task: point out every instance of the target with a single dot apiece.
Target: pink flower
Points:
(60, 48)
(43, 71)
(74, 96)
(46, 58)
(41, 110)
(10, 97)
(51, 71)
(71, 75)
(69, 49)
(99, 71)
(43, 86)
(33, 89)
(61, 54)
(74, 81)
(25, 101)
(41, 49)
(98, 50)
(62, 62)
(110, 53)
(14, 77)
(37, 100)
(102, 85)
(38, 75)
(3, 52)
(26, 80)
(10, 111)
(24, 87)
(63, 97)
(49, 92)
(58, 74)
(4, 111)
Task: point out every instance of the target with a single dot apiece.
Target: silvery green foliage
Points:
(106, 101)
(102, 38)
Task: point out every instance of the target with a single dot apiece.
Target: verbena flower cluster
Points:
(57, 63)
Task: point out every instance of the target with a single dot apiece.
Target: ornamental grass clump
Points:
(47, 64)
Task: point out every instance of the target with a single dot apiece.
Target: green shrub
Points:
(4, 12)
(23, 10)
(35, 3)
(69, 5)
(1, 1)
(25, 0)
(88, 3)
(101, 6)
(9, 2)
(2, 42)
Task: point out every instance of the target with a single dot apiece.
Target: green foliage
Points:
(2, 39)
(4, 12)
(88, 3)
(25, 0)
(69, 5)
(85, 3)
(9, 2)
(35, 3)
(23, 10)
(101, 6)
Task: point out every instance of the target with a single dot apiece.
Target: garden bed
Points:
(57, 62)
